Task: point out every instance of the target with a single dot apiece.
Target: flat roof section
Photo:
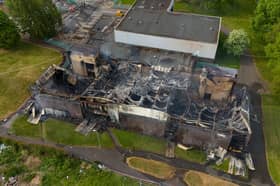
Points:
(151, 17)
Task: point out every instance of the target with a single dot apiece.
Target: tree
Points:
(271, 36)
(267, 14)
(272, 51)
(221, 47)
(9, 36)
(39, 18)
(237, 42)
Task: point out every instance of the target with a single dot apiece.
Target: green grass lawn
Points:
(134, 141)
(64, 133)
(21, 127)
(19, 68)
(193, 155)
(127, 2)
(59, 132)
(228, 61)
(271, 117)
(223, 167)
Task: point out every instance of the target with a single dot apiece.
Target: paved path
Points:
(111, 158)
(248, 75)
(257, 145)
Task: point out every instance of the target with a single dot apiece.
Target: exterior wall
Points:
(79, 61)
(200, 137)
(143, 125)
(60, 104)
(218, 87)
(79, 68)
(206, 50)
(144, 112)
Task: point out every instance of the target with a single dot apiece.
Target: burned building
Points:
(216, 84)
(156, 92)
(132, 94)
(160, 103)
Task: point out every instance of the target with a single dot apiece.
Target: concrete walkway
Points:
(248, 75)
(111, 158)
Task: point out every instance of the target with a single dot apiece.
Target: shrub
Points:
(9, 36)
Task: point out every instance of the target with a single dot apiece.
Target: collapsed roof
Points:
(171, 93)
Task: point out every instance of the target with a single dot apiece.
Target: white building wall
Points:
(200, 49)
(144, 112)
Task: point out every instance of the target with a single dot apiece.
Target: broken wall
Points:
(147, 126)
(80, 63)
(201, 137)
(217, 88)
(60, 104)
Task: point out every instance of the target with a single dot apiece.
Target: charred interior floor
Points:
(154, 92)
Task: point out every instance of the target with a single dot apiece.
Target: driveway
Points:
(248, 75)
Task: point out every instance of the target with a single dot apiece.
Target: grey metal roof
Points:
(152, 18)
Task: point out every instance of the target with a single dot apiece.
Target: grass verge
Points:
(134, 141)
(271, 117)
(59, 132)
(127, 2)
(223, 167)
(19, 68)
(228, 61)
(21, 127)
(151, 167)
(64, 133)
(191, 155)
(194, 178)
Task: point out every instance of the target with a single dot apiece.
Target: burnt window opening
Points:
(90, 69)
(207, 96)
